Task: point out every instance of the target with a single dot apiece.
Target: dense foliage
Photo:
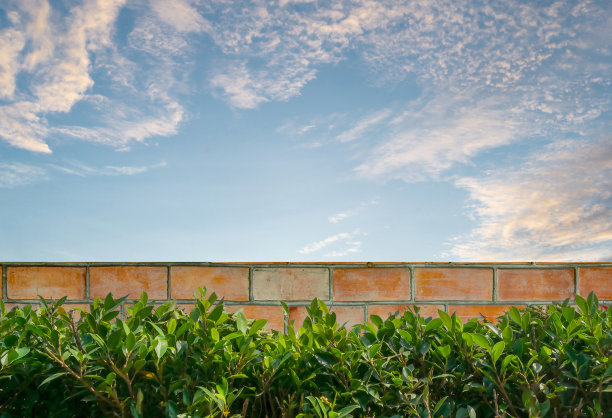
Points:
(540, 361)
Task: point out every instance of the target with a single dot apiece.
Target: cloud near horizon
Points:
(557, 206)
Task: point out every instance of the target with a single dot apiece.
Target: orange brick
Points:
(128, 280)
(49, 282)
(351, 315)
(371, 284)
(467, 312)
(297, 314)
(535, 284)
(273, 313)
(453, 284)
(384, 311)
(290, 283)
(231, 283)
(595, 279)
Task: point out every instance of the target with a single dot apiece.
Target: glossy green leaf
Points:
(171, 326)
(482, 341)
(161, 347)
(241, 322)
(515, 315)
(497, 351)
(433, 324)
(52, 378)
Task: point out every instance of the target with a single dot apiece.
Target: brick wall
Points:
(352, 290)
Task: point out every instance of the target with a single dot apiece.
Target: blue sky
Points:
(417, 130)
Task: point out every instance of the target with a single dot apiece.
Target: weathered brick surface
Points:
(128, 280)
(351, 315)
(595, 279)
(274, 314)
(467, 312)
(55, 282)
(385, 310)
(290, 284)
(535, 284)
(379, 284)
(231, 283)
(453, 283)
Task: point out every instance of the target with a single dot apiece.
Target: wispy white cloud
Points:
(159, 41)
(22, 127)
(289, 44)
(64, 78)
(240, 87)
(11, 43)
(131, 170)
(82, 170)
(315, 132)
(271, 53)
(295, 130)
(557, 206)
(424, 141)
(61, 57)
(344, 243)
(340, 216)
(125, 129)
(454, 46)
(247, 89)
(180, 15)
(18, 174)
(318, 245)
(363, 125)
(351, 247)
(493, 74)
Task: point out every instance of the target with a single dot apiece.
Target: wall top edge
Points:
(308, 264)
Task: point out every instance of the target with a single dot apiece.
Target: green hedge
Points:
(540, 361)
